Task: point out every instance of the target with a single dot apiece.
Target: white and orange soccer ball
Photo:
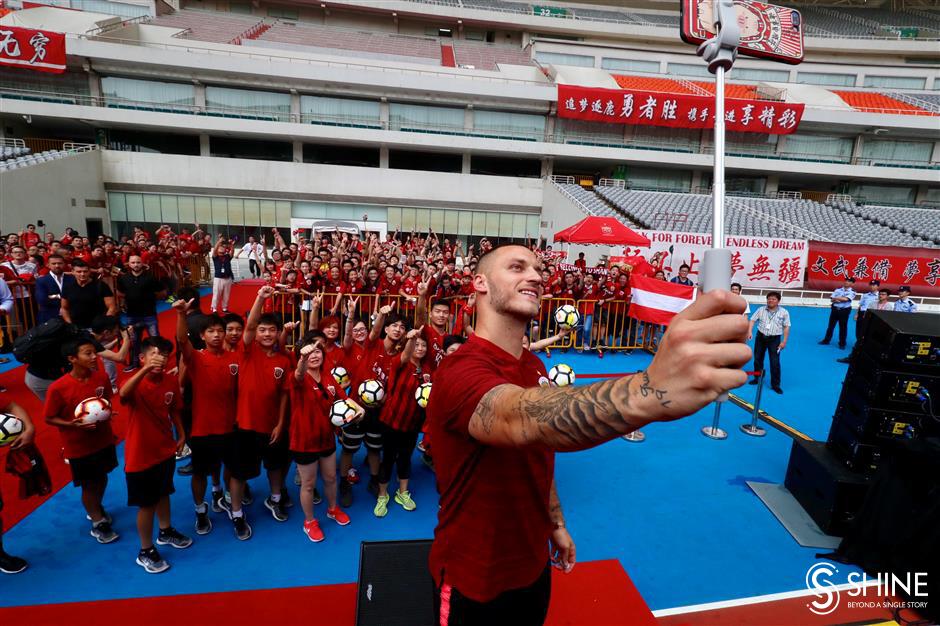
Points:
(341, 376)
(423, 394)
(10, 428)
(371, 392)
(567, 316)
(342, 412)
(92, 410)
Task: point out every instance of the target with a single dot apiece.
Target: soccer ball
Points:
(341, 413)
(10, 428)
(567, 316)
(371, 392)
(561, 375)
(423, 394)
(340, 375)
(91, 410)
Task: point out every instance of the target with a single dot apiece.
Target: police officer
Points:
(868, 302)
(904, 304)
(839, 313)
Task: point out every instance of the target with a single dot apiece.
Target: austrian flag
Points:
(657, 301)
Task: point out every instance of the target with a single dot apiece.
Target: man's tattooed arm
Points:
(554, 506)
(567, 418)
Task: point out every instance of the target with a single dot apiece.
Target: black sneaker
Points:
(242, 528)
(316, 496)
(845, 359)
(10, 564)
(754, 381)
(824, 343)
(247, 498)
(172, 537)
(103, 533)
(203, 523)
(345, 493)
(277, 509)
(186, 470)
(286, 499)
(373, 486)
(218, 502)
(778, 390)
(151, 561)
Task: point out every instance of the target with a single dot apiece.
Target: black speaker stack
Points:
(895, 368)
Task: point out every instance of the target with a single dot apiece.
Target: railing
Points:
(612, 182)
(788, 195)
(915, 101)
(577, 201)
(839, 197)
(12, 143)
(142, 19)
(797, 231)
(564, 180)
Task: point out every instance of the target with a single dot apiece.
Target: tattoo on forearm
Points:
(646, 389)
(554, 506)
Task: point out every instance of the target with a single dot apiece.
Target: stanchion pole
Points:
(714, 431)
(753, 429)
(636, 436)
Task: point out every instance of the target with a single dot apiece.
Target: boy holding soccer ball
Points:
(89, 445)
(10, 564)
(150, 447)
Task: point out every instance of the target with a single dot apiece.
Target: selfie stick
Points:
(719, 52)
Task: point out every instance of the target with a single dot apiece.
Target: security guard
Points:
(868, 302)
(904, 304)
(839, 313)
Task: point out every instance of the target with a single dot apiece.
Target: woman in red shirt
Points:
(312, 440)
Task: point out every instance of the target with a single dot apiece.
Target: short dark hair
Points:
(102, 323)
(451, 340)
(230, 318)
(440, 303)
(684, 265)
(482, 260)
(271, 319)
(850, 279)
(213, 319)
(162, 344)
(774, 294)
(392, 318)
(738, 285)
(78, 263)
(71, 348)
(886, 292)
(56, 256)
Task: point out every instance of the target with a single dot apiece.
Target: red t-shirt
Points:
(492, 533)
(401, 411)
(435, 344)
(591, 294)
(376, 363)
(333, 357)
(30, 239)
(310, 403)
(149, 439)
(261, 381)
(352, 360)
(61, 399)
(213, 379)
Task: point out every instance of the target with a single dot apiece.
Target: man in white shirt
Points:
(255, 253)
(773, 330)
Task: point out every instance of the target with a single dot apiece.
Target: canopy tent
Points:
(604, 231)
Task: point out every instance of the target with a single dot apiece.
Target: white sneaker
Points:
(185, 453)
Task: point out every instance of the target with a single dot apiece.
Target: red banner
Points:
(650, 108)
(39, 50)
(831, 263)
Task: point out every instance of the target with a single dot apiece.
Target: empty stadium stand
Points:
(873, 102)
(593, 204)
(918, 222)
(207, 26)
(485, 56)
(373, 44)
(668, 85)
(25, 160)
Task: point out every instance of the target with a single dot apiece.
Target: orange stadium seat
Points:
(872, 102)
(651, 83)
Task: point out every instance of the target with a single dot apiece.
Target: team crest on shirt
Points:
(99, 392)
(544, 382)
(331, 389)
(278, 373)
(426, 377)
(168, 398)
(233, 369)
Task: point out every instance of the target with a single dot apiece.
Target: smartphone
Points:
(767, 31)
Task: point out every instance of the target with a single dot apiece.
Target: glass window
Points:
(689, 69)
(247, 103)
(117, 207)
(203, 210)
(896, 82)
(820, 147)
(219, 211)
(407, 220)
(422, 219)
(135, 207)
(505, 224)
(130, 92)
(518, 226)
(340, 111)
(252, 213)
(187, 206)
(479, 224)
(821, 78)
(492, 224)
(451, 221)
(436, 221)
(558, 58)
(283, 214)
(152, 209)
(283, 12)
(500, 123)
(532, 225)
(883, 193)
(418, 117)
(236, 212)
(394, 217)
(631, 65)
(268, 213)
(751, 73)
(892, 151)
(169, 210)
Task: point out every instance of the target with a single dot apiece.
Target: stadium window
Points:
(503, 124)
(558, 58)
(894, 151)
(236, 148)
(130, 93)
(341, 155)
(474, 35)
(896, 82)
(239, 8)
(689, 69)
(820, 78)
(663, 179)
(818, 148)
(187, 210)
(883, 193)
(423, 118)
(630, 65)
(156, 143)
(247, 104)
(68, 82)
(748, 73)
(425, 161)
(340, 112)
(502, 166)
(444, 32)
(284, 13)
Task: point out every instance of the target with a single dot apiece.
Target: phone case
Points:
(767, 31)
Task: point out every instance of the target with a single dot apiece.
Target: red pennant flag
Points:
(657, 301)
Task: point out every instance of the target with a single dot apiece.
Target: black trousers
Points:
(254, 268)
(769, 344)
(840, 317)
(397, 448)
(527, 606)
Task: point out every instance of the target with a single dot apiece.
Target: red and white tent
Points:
(604, 231)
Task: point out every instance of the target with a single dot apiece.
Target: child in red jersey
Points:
(261, 412)
(312, 440)
(154, 400)
(401, 419)
(10, 564)
(89, 448)
(212, 373)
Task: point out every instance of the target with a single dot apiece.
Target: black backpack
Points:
(38, 340)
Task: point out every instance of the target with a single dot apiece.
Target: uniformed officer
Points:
(866, 303)
(904, 304)
(839, 313)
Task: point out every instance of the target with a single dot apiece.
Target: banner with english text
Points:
(760, 262)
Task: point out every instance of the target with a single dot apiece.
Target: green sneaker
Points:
(404, 499)
(381, 506)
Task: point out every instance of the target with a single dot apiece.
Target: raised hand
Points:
(351, 305)
(414, 332)
(266, 292)
(385, 310)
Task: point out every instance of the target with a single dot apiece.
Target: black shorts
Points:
(147, 487)
(210, 452)
(306, 458)
(369, 428)
(252, 449)
(93, 467)
(527, 606)
(600, 315)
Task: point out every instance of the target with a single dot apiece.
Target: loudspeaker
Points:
(895, 340)
(831, 493)
(395, 584)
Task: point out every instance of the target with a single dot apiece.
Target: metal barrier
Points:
(24, 312)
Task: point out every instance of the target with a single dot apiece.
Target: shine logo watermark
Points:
(864, 591)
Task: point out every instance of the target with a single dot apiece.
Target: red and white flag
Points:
(657, 301)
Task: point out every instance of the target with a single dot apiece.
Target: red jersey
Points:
(61, 399)
(352, 360)
(589, 293)
(262, 380)
(149, 439)
(310, 403)
(492, 534)
(213, 379)
(401, 411)
(30, 239)
(435, 344)
(333, 357)
(409, 287)
(562, 290)
(377, 363)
